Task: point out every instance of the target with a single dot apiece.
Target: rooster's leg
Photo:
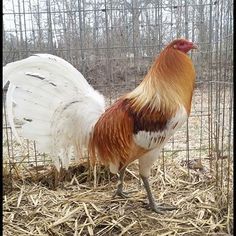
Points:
(119, 191)
(153, 205)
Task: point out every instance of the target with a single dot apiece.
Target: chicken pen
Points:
(113, 43)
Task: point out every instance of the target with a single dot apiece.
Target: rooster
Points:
(61, 112)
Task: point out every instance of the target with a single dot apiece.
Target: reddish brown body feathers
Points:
(113, 143)
(167, 86)
(113, 133)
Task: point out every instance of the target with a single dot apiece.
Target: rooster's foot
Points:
(159, 208)
(121, 193)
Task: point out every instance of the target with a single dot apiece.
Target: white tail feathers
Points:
(57, 106)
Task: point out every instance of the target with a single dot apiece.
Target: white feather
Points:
(4, 80)
(24, 112)
(9, 111)
(57, 106)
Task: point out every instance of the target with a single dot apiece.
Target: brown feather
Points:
(112, 136)
(169, 82)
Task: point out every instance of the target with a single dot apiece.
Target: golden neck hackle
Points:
(168, 83)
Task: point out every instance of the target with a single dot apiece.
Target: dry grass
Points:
(79, 204)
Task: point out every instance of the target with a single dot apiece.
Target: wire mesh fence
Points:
(113, 42)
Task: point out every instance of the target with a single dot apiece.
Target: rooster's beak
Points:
(194, 46)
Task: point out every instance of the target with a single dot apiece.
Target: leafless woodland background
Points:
(113, 42)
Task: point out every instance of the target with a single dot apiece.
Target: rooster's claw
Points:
(121, 194)
(159, 208)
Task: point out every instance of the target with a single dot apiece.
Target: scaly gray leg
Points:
(119, 191)
(153, 205)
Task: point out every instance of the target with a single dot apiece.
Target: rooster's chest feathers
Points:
(154, 135)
